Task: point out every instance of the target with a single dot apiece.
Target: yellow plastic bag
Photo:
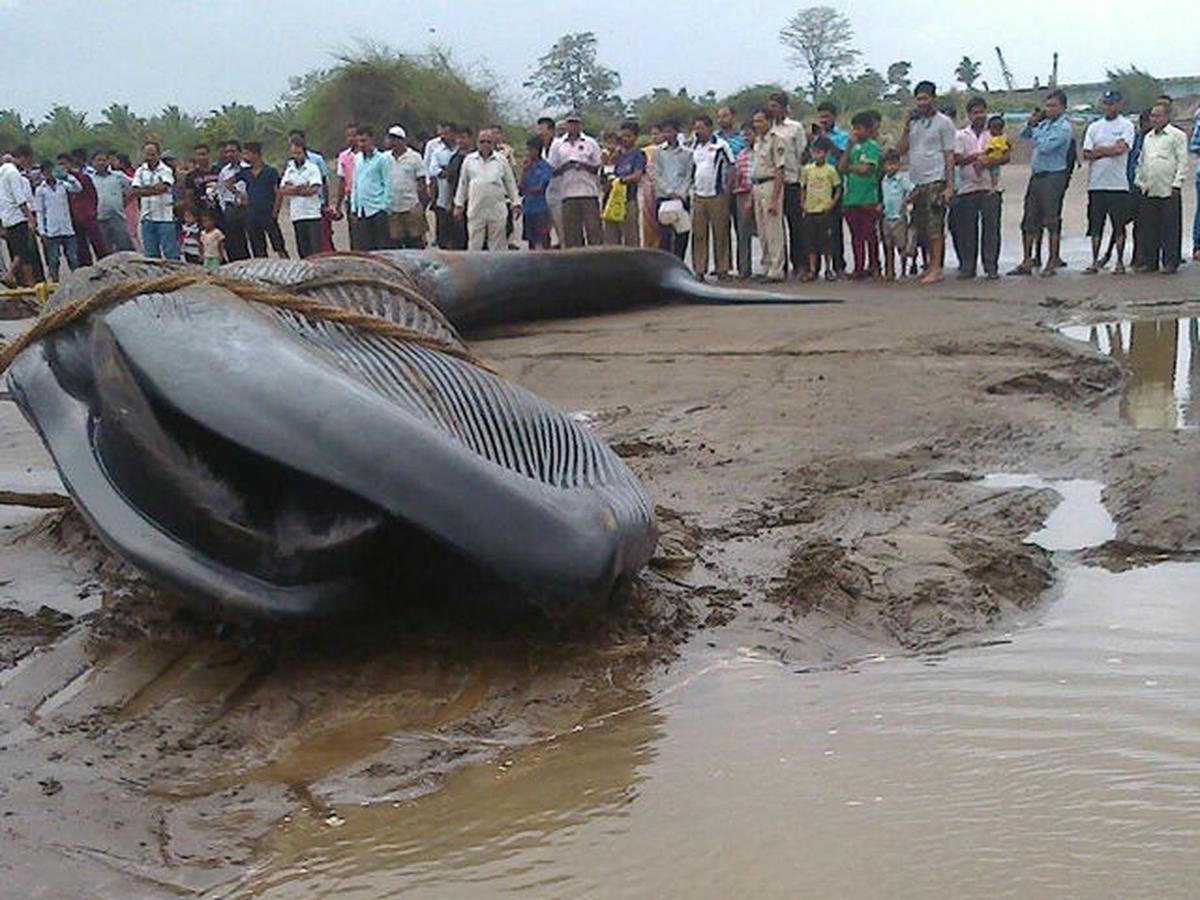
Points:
(614, 206)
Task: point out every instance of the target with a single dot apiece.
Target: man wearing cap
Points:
(406, 209)
(1106, 147)
(575, 160)
(486, 189)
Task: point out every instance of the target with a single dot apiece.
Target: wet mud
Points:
(820, 480)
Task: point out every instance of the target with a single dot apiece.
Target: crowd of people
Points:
(711, 189)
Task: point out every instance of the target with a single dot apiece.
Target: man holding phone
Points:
(1050, 170)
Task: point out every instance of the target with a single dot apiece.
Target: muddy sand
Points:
(817, 472)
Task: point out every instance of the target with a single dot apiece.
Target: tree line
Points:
(379, 85)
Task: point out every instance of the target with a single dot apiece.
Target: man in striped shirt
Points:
(743, 201)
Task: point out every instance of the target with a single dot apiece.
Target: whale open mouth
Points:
(264, 459)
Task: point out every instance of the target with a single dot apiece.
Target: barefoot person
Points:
(928, 140)
(18, 220)
(1050, 133)
(1106, 146)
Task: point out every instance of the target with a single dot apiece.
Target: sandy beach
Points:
(817, 474)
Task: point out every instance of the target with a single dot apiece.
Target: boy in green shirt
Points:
(820, 187)
(860, 166)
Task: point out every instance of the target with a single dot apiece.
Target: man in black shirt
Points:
(262, 202)
(458, 226)
(200, 184)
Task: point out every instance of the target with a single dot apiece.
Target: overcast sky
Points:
(90, 53)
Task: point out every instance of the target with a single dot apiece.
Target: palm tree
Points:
(968, 72)
(233, 121)
(64, 130)
(175, 130)
(14, 130)
(121, 130)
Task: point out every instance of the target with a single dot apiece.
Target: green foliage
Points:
(14, 130)
(64, 129)
(968, 72)
(373, 85)
(120, 130)
(899, 82)
(662, 103)
(1138, 87)
(380, 87)
(745, 100)
(863, 91)
(568, 77)
(174, 130)
(821, 41)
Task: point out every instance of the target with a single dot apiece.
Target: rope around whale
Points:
(251, 292)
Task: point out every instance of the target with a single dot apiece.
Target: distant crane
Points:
(1005, 70)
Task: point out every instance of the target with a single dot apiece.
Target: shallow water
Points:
(1163, 356)
(1060, 760)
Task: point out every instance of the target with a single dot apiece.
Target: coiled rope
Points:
(291, 299)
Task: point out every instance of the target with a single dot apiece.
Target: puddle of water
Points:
(1080, 520)
(1063, 761)
(1066, 763)
(1163, 356)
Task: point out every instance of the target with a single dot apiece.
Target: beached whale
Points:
(260, 458)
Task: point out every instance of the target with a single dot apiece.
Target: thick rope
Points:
(250, 291)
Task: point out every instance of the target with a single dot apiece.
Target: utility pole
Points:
(1005, 70)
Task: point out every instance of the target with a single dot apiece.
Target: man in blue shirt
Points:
(1194, 148)
(728, 131)
(1052, 138)
(370, 194)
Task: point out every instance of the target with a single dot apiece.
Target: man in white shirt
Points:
(485, 190)
(19, 220)
(53, 212)
(575, 161)
(1106, 145)
(438, 153)
(232, 200)
(153, 186)
(406, 208)
(301, 185)
(711, 166)
(1161, 170)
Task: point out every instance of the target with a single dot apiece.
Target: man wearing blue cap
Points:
(1106, 147)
